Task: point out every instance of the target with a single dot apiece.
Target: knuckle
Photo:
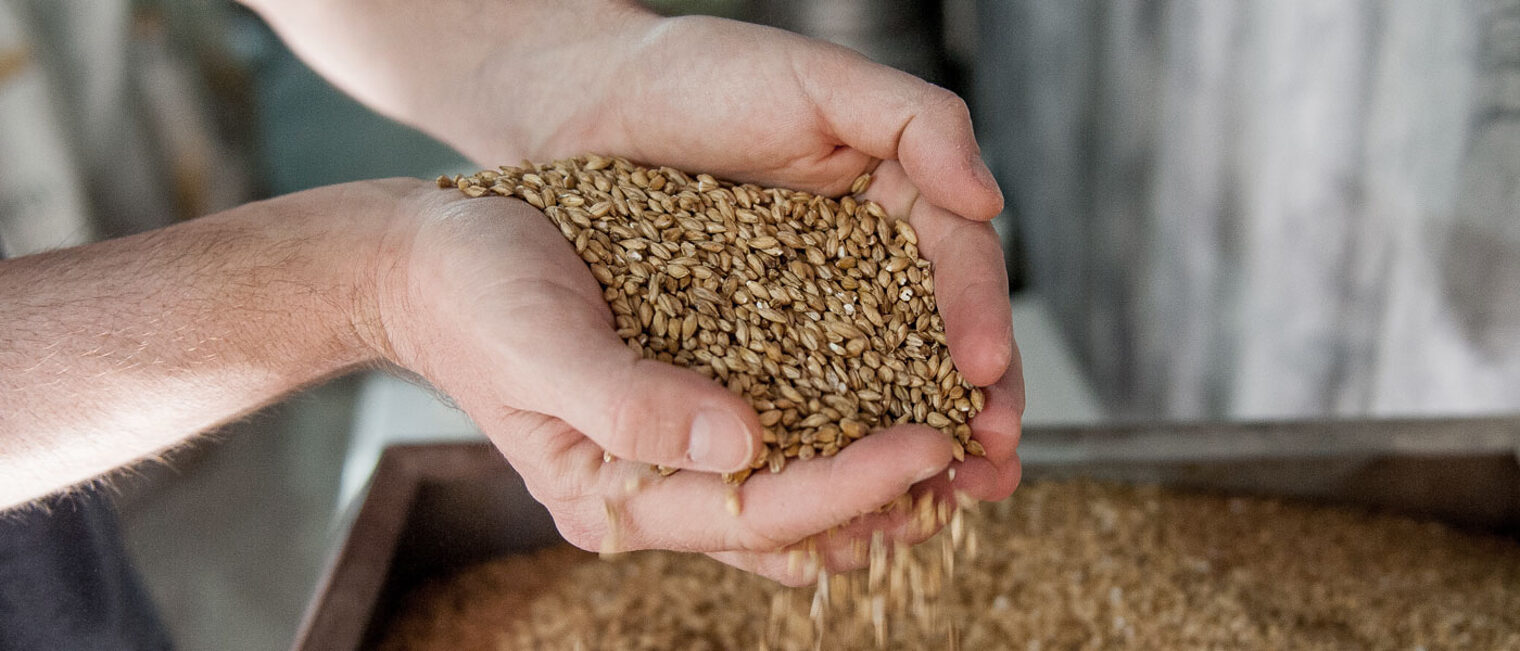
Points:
(949, 102)
(565, 490)
(556, 485)
(580, 532)
(629, 436)
(643, 429)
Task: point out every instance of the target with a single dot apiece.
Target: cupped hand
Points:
(491, 304)
(758, 104)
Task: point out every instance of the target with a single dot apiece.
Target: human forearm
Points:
(452, 67)
(118, 350)
(507, 80)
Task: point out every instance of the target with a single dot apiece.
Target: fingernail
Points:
(926, 473)
(719, 441)
(985, 177)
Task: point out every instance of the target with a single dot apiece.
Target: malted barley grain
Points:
(820, 312)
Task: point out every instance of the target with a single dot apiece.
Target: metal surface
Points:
(1462, 471)
(1163, 443)
(428, 510)
(432, 509)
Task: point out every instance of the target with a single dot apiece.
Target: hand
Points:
(757, 104)
(492, 305)
(763, 105)
(736, 100)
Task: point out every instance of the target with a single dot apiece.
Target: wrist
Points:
(543, 93)
(329, 252)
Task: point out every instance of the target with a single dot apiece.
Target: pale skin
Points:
(119, 350)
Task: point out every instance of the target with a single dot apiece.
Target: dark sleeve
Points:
(66, 581)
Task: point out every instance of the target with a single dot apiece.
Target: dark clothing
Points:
(66, 582)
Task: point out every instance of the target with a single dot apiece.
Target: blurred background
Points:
(1217, 211)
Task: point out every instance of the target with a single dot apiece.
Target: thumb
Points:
(651, 411)
(511, 307)
(640, 409)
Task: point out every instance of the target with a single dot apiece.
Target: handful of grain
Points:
(819, 312)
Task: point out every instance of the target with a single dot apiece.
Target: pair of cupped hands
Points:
(487, 301)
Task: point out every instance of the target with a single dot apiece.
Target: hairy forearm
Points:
(117, 350)
(440, 65)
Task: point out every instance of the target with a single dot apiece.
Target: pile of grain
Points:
(818, 311)
(1058, 566)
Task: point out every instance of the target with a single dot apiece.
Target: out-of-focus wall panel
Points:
(1268, 208)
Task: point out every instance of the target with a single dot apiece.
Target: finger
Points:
(970, 279)
(999, 425)
(892, 115)
(550, 333)
(690, 512)
(981, 478)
